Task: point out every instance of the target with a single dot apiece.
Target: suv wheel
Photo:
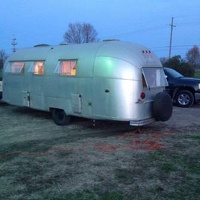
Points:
(184, 98)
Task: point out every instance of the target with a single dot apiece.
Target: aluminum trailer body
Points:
(105, 80)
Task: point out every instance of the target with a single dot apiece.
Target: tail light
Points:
(142, 95)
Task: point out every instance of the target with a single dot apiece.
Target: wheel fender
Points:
(162, 106)
(59, 117)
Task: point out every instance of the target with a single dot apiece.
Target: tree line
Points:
(84, 33)
(185, 66)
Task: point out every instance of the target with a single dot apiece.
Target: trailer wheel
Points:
(162, 106)
(60, 118)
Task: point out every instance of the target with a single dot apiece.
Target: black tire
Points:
(184, 98)
(60, 118)
(162, 106)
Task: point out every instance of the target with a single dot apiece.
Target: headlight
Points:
(199, 86)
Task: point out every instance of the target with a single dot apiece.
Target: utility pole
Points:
(171, 34)
(14, 43)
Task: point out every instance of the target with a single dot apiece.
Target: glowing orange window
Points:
(67, 68)
(38, 67)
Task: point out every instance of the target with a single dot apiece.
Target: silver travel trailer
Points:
(109, 80)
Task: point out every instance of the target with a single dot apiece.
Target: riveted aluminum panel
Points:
(107, 85)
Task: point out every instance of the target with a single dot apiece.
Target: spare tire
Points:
(162, 106)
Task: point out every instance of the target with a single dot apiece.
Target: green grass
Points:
(168, 167)
(42, 161)
(91, 194)
(197, 74)
(40, 177)
(33, 172)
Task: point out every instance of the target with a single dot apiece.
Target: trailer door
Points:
(155, 82)
(35, 92)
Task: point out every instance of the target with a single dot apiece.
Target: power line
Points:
(140, 30)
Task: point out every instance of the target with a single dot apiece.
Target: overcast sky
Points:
(141, 21)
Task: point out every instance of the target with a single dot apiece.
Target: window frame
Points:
(155, 79)
(18, 70)
(38, 72)
(70, 63)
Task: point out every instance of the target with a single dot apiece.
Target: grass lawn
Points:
(197, 74)
(32, 171)
(42, 161)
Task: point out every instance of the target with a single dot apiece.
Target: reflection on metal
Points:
(111, 80)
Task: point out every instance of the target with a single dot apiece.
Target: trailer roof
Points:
(130, 52)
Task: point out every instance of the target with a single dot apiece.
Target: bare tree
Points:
(193, 57)
(80, 33)
(3, 56)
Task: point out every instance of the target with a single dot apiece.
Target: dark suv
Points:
(184, 91)
(1, 87)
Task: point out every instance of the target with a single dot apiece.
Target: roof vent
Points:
(41, 45)
(110, 40)
(63, 43)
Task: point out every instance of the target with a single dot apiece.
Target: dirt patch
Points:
(40, 160)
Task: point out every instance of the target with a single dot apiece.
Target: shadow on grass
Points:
(32, 112)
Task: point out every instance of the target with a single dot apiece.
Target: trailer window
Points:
(37, 68)
(144, 83)
(15, 67)
(66, 68)
(154, 77)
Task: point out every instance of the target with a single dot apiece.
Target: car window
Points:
(172, 73)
